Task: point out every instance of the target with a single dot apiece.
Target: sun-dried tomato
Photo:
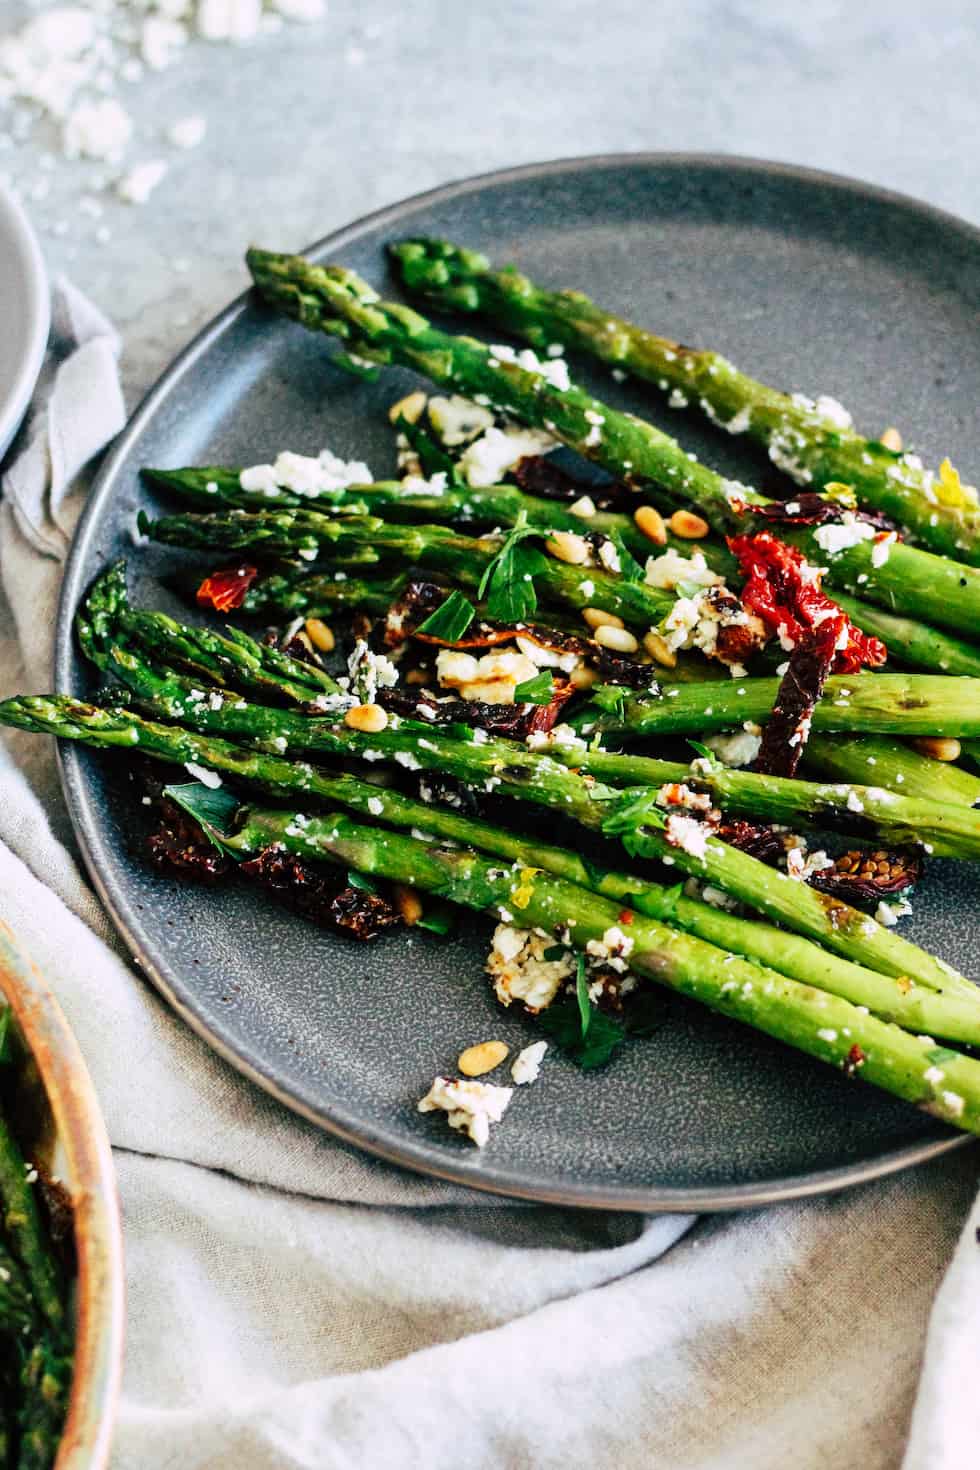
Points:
(785, 591)
(318, 895)
(807, 508)
(758, 840)
(513, 721)
(538, 475)
(864, 878)
(180, 849)
(226, 589)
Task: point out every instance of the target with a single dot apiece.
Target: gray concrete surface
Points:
(309, 128)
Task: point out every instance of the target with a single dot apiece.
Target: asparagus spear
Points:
(17, 1316)
(514, 774)
(46, 1384)
(823, 1025)
(952, 831)
(813, 442)
(337, 302)
(891, 764)
(875, 704)
(25, 1231)
(235, 657)
(911, 642)
(465, 558)
(493, 505)
(314, 594)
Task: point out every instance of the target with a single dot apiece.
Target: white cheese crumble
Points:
(457, 420)
(187, 132)
(738, 749)
(367, 672)
(469, 1106)
(890, 913)
(519, 971)
(305, 474)
(560, 735)
(99, 130)
(203, 774)
(687, 833)
(554, 370)
(136, 186)
(488, 458)
(375, 806)
(491, 679)
(527, 1064)
(613, 949)
(834, 538)
(671, 567)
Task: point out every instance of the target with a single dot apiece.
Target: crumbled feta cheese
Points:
(613, 949)
(561, 735)
(835, 413)
(187, 132)
(488, 458)
(367, 672)
(554, 370)
(834, 538)
(584, 507)
(99, 130)
(229, 20)
(933, 1075)
(671, 567)
(527, 1064)
(491, 679)
(609, 557)
(203, 774)
(826, 1034)
(687, 833)
(457, 420)
(136, 186)
(375, 806)
(738, 749)
(519, 971)
(890, 913)
(469, 1106)
(305, 474)
(881, 550)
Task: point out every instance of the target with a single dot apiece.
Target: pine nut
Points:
(371, 719)
(417, 676)
(566, 546)
(476, 1060)
(685, 523)
(658, 650)
(408, 903)
(892, 439)
(619, 640)
(940, 749)
(320, 635)
(583, 677)
(597, 618)
(649, 520)
(408, 408)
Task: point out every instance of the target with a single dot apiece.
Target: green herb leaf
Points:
(357, 367)
(508, 581)
(940, 1055)
(450, 620)
(437, 917)
(635, 809)
(539, 690)
(706, 754)
(582, 995)
(562, 1024)
(212, 807)
(630, 569)
(555, 952)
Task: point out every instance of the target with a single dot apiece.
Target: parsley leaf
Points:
(508, 581)
(939, 1055)
(450, 620)
(212, 807)
(706, 753)
(437, 917)
(629, 568)
(539, 690)
(582, 995)
(562, 1023)
(358, 880)
(636, 808)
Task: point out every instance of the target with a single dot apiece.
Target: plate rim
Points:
(338, 1121)
(37, 311)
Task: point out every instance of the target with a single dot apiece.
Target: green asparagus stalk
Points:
(45, 1384)
(232, 658)
(952, 831)
(812, 442)
(289, 593)
(889, 763)
(25, 1231)
(516, 774)
(910, 642)
(874, 704)
(333, 300)
(814, 1021)
(951, 1016)
(465, 558)
(17, 1316)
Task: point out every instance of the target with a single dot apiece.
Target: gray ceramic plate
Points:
(812, 281)
(24, 313)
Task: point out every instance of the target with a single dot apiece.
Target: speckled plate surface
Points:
(810, 281)
(24, 313)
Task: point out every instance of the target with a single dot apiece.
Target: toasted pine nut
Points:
(583, 677)
(940, 749)
(566, 546)
(685, 523)
(658, 650)
(483, 1057)
(417, 676)
(620, 640)
(369, 718)
(649, 520)
(597, 618)
(320, 635)
(408, 903)
(892, 439)
(409, 408)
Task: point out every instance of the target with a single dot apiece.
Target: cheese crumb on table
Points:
(469, 1106)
